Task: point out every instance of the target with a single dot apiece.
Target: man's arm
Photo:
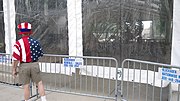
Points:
(15, 64)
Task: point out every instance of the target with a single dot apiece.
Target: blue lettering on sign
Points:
(77, 64)
(170, 79)
(170, 75)
(177, 81)
(168, 70)
(164, 78)
(68, 62)
(68, 59)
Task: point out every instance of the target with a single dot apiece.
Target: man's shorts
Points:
(29, 71)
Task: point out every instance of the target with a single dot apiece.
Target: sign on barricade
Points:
(5, 59)
(73, 62)
(169, 75)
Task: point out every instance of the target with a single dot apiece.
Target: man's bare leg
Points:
(41, 91)
(26, 91)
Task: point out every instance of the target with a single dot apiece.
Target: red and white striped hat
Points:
(24, 28)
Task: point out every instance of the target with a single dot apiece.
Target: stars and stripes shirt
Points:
(27, 50)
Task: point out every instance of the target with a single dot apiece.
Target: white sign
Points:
(72, 62)
(169, 75)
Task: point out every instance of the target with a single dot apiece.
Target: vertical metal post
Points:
(86, 76)
(161, 91)
(92, 63)
(37, 91)
(116, 90)
(134, 74)
(147, 82)
(103, 75)
(55, 73)
(30, 88)
(140, 82)
(170, 92)
(178, 91)
(109, 78)
(97, 77)
(153, 84)
(127, 82)
(122, 77)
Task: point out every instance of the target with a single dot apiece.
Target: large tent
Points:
(116, 28)
(139, 29)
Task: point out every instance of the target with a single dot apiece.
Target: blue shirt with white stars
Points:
(36, 50)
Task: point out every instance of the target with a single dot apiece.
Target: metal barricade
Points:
(6, 76)
(6, 70)
(140, 81)
(80, 75)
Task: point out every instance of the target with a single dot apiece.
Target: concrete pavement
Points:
(15, 93)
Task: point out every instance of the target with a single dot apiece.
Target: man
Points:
(26, 52)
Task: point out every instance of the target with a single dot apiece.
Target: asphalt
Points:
(15, 93)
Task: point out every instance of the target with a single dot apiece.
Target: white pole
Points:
(175, 52)
(9, 23)
(74, 9)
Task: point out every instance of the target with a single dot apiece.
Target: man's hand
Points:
(14, 72)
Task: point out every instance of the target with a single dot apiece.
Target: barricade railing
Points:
(81, 75)
(6, 70)
(6, 76)
(143, 81)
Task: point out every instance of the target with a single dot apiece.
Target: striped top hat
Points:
(24, 28)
